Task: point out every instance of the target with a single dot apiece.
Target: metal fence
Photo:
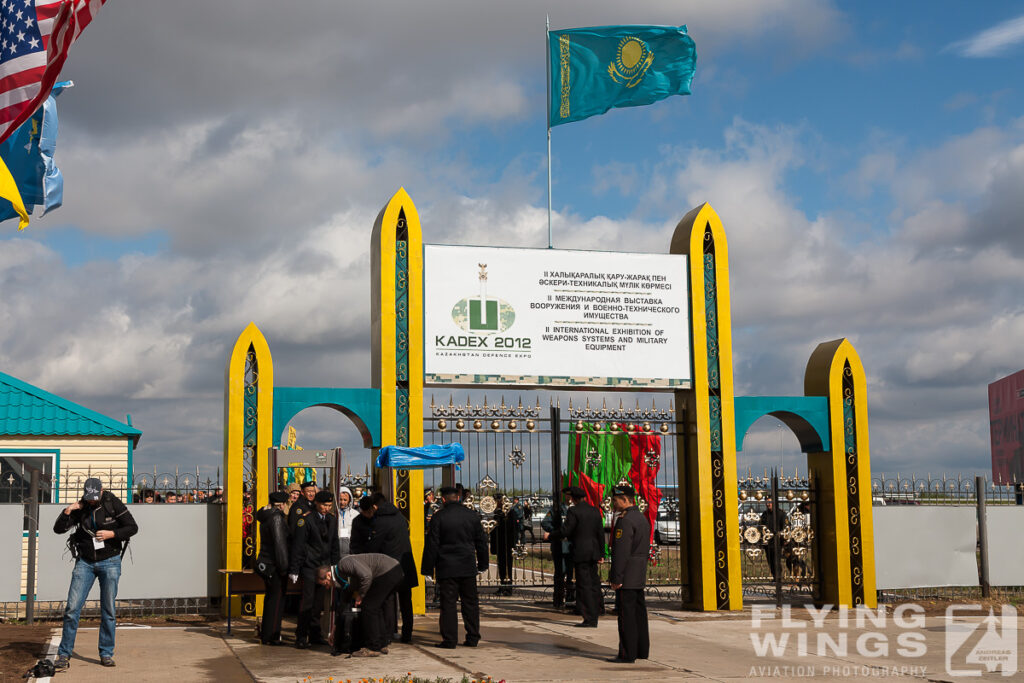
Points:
(185, 485)
(943, 489)
(953, 490)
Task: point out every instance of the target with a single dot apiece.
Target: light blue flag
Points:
(28, 154)
(595, 69)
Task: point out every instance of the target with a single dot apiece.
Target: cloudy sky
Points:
(224, 163)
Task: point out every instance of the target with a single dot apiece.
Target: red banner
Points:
(1006, 421)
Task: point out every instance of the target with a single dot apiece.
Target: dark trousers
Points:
(504, 553)
(400, 601)
(634, 639)
(769, 556)
(273, 605)
(403, 594)
(311, 606)
(558, 594)
(588, 591)
(464, 589)
(375, 635)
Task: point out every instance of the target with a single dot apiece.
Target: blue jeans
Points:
(85, 572)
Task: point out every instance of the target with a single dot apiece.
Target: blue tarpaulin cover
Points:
(422, 457)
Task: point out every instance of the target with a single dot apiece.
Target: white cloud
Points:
(993, 41)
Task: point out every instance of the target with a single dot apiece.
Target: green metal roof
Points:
(27, 410)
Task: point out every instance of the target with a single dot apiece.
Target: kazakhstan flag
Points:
(595, 69)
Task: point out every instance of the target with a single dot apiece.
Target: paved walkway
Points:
(527, 645)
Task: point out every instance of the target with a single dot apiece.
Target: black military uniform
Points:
(504, 536)
(301, 507)
(561, 555)
(456, 550)
(272, 566)
(362, 528)
(631, 548)
(314, 544)
(584, 527)
(391, 537)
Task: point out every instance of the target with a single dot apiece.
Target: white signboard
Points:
(543, 316)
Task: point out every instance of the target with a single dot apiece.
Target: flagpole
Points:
(547, 115)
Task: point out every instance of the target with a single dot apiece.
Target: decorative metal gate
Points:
(777, 516)
(516, 455)
(507, 471)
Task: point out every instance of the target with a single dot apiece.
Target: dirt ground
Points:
(20, 647)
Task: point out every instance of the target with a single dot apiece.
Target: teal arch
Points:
(362, 406)
(807, 416)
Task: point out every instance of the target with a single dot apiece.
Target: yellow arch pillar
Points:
(248, 427)
(842, 477)
(396, 311)
(708, 499)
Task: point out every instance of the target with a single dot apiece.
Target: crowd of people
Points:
(193, 496)
(352, 557)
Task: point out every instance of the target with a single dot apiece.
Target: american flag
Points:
(34, 39)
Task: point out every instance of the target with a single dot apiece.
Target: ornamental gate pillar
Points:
(396, 312)
(248, 430)
(707, 472)
(842, 475)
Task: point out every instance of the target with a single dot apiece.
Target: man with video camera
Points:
(102, 525)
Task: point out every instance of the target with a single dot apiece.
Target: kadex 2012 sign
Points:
(553, 317)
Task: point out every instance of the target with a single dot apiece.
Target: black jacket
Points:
(314, 543)
(390, 536)
(298, 509)
(109, 515)
(456, 544)
(362, 529)
(769, 520)
(631, 548)
(505, 533)
(273, 539)
(584, 527)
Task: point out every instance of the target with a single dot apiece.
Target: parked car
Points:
(666, 527)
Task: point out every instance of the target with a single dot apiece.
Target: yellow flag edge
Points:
(9, 191)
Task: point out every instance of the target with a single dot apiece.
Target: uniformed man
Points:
(631, 548)
(304, 505)
(456, 550)
(314, 544)
(272, 564)
(584, 527)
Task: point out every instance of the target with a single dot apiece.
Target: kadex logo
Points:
(975, 642)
